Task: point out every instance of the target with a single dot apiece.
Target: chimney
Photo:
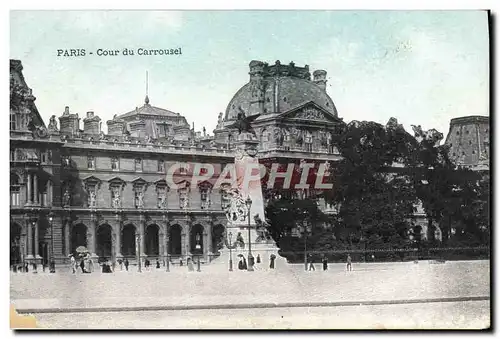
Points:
(69, 123)
(91, 124)
(319, 78)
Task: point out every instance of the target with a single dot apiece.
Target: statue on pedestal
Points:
(243, 123)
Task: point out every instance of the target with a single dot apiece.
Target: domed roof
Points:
(278, 88)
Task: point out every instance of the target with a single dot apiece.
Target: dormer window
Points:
(13, 121)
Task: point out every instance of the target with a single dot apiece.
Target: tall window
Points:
(162, 197)
(183, 198)
(139, 196)
(44, 193)
(161, 166)
(90, 162)
(114, 164)
(138, 165)
(12, 121)
(15, 191)
(225, 197)
(205, 197)
(43, 156)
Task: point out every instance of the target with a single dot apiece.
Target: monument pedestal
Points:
(248, 185)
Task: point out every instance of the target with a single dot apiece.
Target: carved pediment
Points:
(116, 181)
(310, 112)
(91, 181)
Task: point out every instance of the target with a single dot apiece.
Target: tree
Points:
(376, 198)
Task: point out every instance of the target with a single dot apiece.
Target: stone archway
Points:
(15, 244)
(104, 242)
(128, 241)
(196, 239)
(175, 240)
(78, 236)
(217, 238)
(152, 241)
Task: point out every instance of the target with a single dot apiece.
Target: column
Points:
(35, 188)
(209, 249)
(142, 225)
(67, 228)
(117, 239)
(205, 244)
(161, 243)
(29, 249)
(165, 239)
(188, 240)
(91, 238)
(37, 255)
(28, 199)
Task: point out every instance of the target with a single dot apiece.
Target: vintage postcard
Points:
(250, 169)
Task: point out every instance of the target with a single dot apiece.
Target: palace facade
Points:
(73, 184)
(72, 187)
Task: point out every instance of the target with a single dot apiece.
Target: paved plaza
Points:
(456, 287)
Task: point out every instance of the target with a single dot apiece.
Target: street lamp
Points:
(198, 247)
(306, 233)
(248, 202)
(230, 252)
(138, 251)
(52, 264)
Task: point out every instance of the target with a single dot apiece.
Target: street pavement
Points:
(370, 284)
(447, 315)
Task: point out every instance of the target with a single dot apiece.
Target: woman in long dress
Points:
(190, 265)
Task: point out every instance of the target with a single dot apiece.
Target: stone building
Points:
(469, 141)
(74, 187)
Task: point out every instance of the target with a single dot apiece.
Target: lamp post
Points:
(138, 251)
(230, 252)
(198, 247)
(167, 244)
(248, 202)
(52, 264)
(306, 231)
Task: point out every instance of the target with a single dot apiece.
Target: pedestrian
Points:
(120, 262)
(180, 262)
(126, 264)
(311, 263)
(26, 268)
(245, 266)
(72, 263)
(82, 266)
(271, 261)
(349, 262)
(34, 267)
(157, 263)
(240, 264)
(190, 265)
(258, 258)
(325, 263)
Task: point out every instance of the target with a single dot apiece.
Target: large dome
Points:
(278, 88)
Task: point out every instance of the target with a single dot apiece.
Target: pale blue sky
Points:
(422, 67)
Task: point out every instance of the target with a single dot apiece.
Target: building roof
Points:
(283, 87)
(149, 110)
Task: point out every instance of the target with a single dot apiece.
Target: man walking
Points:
(349, 262)
(126, 264)
(311, 263)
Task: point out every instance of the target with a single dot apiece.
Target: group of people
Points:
(242, 264)
(85, 263)
(325, 263)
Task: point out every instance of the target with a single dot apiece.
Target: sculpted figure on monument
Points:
(243, 123)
